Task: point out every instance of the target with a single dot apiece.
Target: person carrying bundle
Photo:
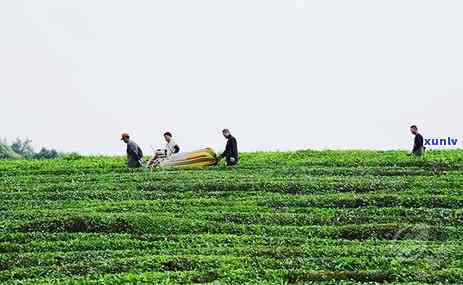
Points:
(162, 154)
(134, 152)
(230, 154)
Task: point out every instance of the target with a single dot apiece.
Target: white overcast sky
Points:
(281, 74)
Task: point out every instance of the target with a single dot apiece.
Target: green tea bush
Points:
(305, 217)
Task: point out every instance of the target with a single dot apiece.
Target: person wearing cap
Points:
(231, 149)
(134, 152)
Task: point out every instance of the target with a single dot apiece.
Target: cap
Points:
(124, 136)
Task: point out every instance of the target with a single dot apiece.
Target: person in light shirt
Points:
(170, 149)
(171, 146)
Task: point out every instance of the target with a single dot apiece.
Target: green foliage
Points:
(45, 153)
(23, 149)
(6, 152)
(72, 156)
(308, 217)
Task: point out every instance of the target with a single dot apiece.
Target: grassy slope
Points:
(332, 217)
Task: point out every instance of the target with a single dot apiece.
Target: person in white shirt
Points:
(161, 154)
(171, 147)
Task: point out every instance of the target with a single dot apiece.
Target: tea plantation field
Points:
(313, 217)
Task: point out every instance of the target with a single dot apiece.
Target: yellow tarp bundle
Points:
(196, 159)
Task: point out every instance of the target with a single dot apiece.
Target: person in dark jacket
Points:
(134, 152)
(418, 145)
(231, 150)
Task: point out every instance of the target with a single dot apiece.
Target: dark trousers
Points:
(419, 151)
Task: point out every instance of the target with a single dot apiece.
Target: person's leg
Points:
(155, 163)
(230, 162)
(153, 160)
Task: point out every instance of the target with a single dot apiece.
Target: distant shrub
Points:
(23, 149)
(6, 152)
(45, 153)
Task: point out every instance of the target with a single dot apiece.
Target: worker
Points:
(134, 152)
(231, 150)
(161, 154)
(171, 147)
(418, 145)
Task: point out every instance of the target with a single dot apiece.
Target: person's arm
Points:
(414, 146)
(234, 148)
(140, 152)
(418, 143)
(227, 150)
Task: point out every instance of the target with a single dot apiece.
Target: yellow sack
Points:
(196, 159)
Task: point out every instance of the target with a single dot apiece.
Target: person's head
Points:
(414, 129)
(226, 133)
(125, 137)
(168, 136)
